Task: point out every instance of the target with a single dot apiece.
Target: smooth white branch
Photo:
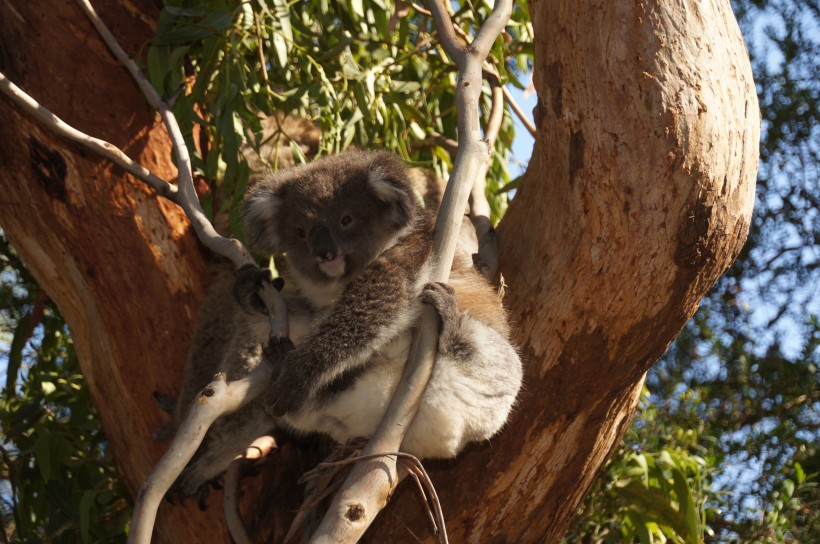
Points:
(229, 247)
(105, 149)
(259, 448)
(217, 399)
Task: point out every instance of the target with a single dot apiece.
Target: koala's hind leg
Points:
(228, 437)
(477, 375)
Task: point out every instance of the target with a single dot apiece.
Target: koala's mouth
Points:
(334, 268)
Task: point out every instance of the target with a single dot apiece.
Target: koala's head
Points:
(331, 217)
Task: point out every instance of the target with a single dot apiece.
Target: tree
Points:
(734, 400)
(638, 196)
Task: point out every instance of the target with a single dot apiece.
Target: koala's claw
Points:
(280, 401)
(190, 484)
(286, 394)
(276, 349)
(441, 297)
(202, 497)
(249, 278)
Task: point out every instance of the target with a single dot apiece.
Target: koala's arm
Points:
(373, 309)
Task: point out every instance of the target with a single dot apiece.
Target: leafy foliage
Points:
(369, 74)
(61, 483)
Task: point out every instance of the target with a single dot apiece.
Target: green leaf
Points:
(15, 357)
(653, 504)
(799, 473)
(640, 526)
(510, 186)
(361, 99)
(406, 87)
(357, 7)
(86, 506)
(214, 23)
(47, 388)
(686, 505)
(42, 456)
(788, 488)
(298, 154)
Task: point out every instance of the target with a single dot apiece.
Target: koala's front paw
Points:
(193, 483)
(276, 350)
(442, 298)
(286, 394)
(249, 279)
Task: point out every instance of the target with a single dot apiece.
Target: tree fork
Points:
(637, 197)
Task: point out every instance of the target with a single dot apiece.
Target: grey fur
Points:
(357, 245)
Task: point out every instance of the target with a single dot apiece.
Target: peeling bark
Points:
(637, 197)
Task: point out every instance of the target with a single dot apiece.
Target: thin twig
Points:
(434, 512)
(218, 398)
(262, 62)
(259, 448)
(421, 10)
(434, 139)
(492, 70)
(100, 147)
(322, 482)
(414, 468)
(228, 247)
(519, 112)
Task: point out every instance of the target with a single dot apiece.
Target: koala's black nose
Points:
(322, 245)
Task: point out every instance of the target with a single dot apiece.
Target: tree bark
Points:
(637, 197)
(122, 265)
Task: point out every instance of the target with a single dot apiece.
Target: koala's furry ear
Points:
(388, 179)
(259, 210)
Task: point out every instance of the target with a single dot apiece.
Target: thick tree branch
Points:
(369, 484)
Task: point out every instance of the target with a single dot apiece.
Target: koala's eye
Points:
(300, 232)
(346, 220)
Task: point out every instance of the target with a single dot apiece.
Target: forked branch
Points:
(229, 247)
(218, 397)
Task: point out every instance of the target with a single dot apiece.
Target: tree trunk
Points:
(637, 197)
(122, 265)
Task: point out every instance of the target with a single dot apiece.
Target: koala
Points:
(355, 250)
